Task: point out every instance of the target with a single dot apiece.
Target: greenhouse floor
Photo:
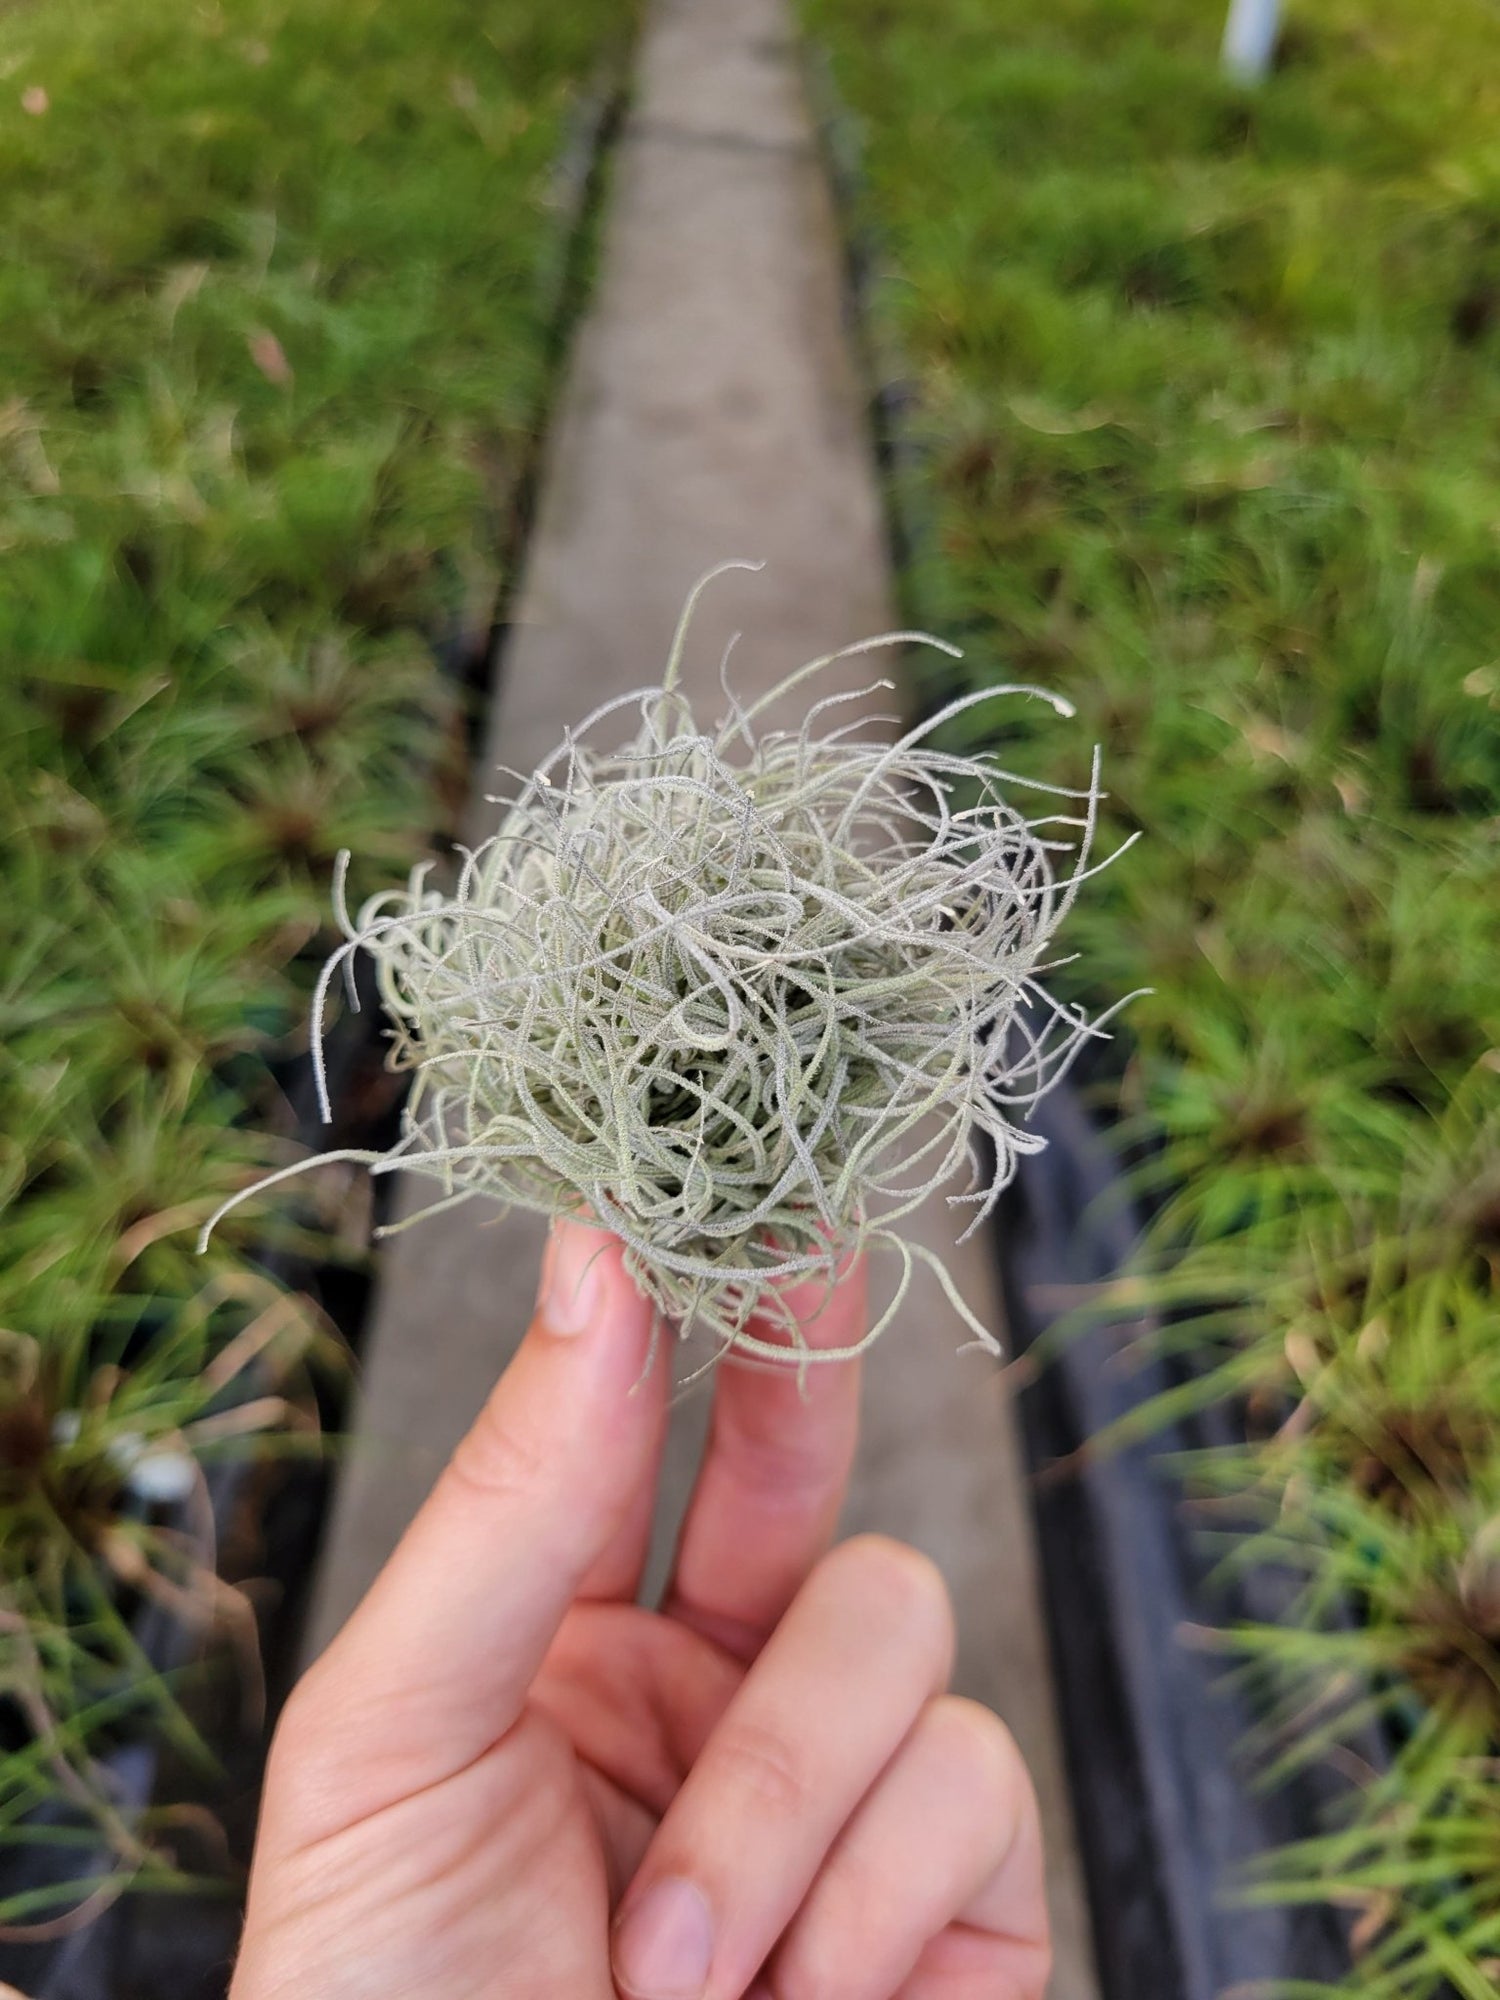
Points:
(711, 411)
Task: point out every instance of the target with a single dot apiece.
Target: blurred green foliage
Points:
(274, 334)
(1209, 395)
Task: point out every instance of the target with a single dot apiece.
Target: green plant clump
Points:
(272, 342)
(1211, 413)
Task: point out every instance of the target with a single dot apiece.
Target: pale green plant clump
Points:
(744, 995)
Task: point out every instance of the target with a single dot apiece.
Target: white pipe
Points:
(1250, 38)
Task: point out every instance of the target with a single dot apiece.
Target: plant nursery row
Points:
(1200, 394)
(278, 295)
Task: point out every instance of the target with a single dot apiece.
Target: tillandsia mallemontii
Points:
(744, 996)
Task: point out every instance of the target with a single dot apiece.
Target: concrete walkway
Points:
(711, 412)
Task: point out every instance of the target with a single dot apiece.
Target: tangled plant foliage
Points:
(744, 996)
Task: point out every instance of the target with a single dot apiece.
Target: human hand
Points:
(504, 1778)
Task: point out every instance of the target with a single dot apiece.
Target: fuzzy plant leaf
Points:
(744, 995)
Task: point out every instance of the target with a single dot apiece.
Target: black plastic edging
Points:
(1168, 1812)
(578, 195)
(893, 398)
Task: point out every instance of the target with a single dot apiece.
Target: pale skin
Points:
(506, 1779)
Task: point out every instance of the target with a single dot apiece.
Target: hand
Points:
(504, 1779)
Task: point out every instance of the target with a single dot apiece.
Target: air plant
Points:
(745, 995)
(1422, 1882)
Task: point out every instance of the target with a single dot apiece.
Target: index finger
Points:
(767, 1500)
(436, 1662)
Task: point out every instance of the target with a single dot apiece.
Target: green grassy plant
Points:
(1209, 405)
(272, 345)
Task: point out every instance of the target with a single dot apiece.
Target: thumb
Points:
(435, 1664)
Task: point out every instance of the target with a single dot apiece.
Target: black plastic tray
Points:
(1167, 1806)
(158, 1947)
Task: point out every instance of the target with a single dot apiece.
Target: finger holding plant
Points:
(505, 1775)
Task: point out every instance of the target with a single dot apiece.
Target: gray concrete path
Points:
(711, 412)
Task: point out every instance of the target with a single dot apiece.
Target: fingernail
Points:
(571, 1278)
(665, 1943)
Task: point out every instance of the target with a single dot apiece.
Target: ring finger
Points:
(935, 1888)
(819, 1716)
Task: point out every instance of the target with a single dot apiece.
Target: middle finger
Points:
(768, 1497)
